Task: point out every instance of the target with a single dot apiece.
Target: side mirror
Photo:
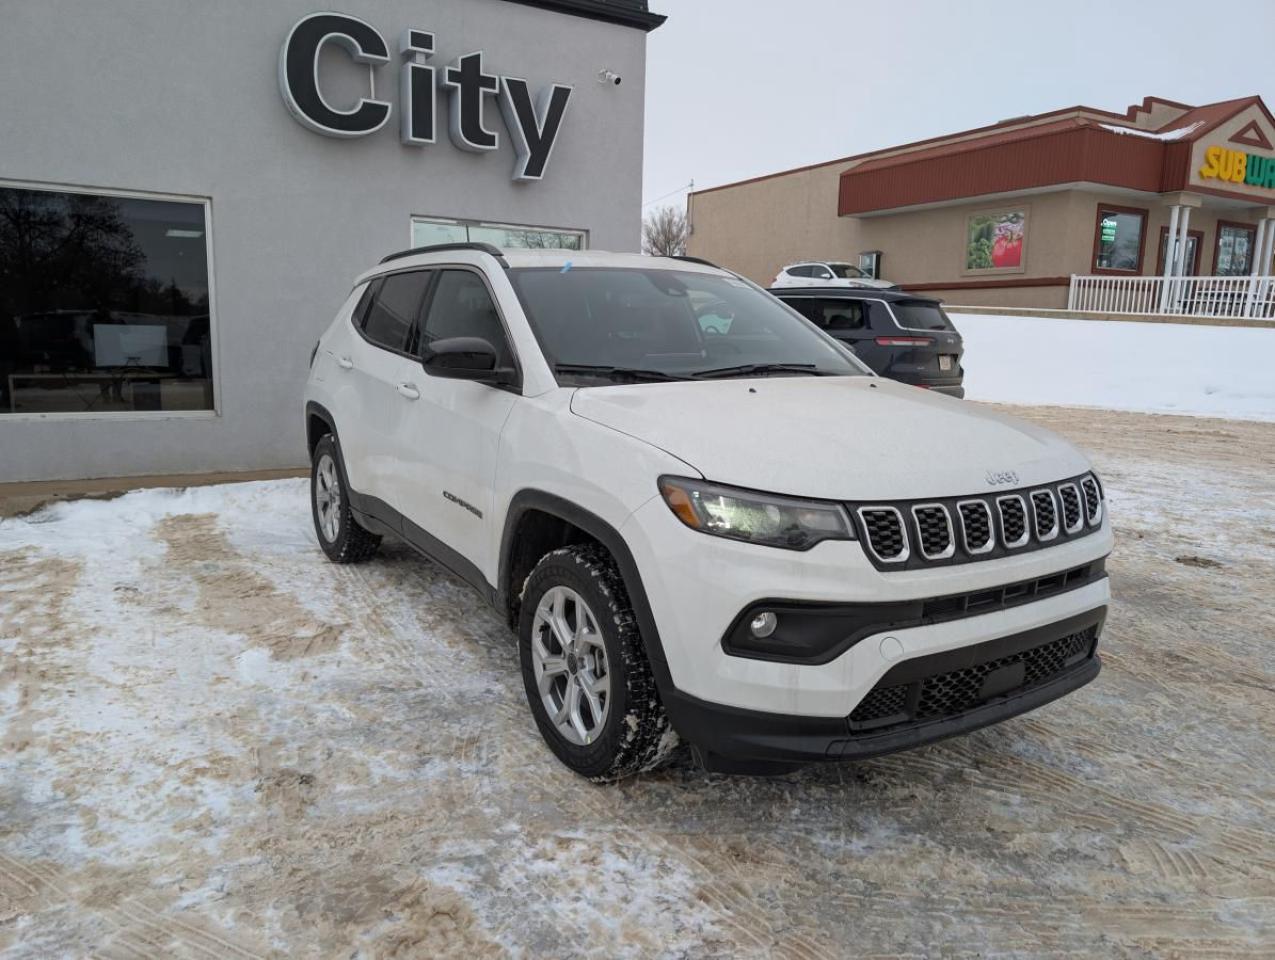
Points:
(464, 358)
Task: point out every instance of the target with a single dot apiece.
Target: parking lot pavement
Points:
(216, 744)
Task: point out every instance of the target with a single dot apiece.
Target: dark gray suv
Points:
(899, 335)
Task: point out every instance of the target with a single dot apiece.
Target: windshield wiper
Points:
(601, 370)
(748, 369)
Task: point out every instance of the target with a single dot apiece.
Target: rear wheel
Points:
(585, 670)
(340, 535)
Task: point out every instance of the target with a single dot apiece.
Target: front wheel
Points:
(340, 535)
(585, 670)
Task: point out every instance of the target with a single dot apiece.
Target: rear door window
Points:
(801, 271)
(393, 309)
(834, 316)
(920, 315)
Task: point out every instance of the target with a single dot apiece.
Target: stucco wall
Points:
(757, 228)
(183, 98)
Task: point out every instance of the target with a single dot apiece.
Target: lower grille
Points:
(948, 694)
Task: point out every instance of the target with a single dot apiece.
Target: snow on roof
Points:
(1178, 134)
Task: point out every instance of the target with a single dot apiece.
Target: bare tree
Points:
(664, 232)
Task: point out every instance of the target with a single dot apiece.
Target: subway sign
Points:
(532, 123)
(1235, 166)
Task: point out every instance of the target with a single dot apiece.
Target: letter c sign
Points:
(299, 74)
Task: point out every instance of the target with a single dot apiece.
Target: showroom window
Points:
(104, 304)
(426, 231)
(1233, 256)
(1118, 239)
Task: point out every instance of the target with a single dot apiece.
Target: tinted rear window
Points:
(921, 315)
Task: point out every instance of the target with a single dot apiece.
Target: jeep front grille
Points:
(1073, 519)
(934, 531)
(976, 526)
(1093, 500)
(910, 535)
(886, 536)
(1013, 521)
(1044, 515)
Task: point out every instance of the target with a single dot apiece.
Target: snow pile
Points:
(1145, 367)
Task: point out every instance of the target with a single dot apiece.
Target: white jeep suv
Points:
(704, 517)
(828, 273)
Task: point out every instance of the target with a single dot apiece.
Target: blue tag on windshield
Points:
(566, 267)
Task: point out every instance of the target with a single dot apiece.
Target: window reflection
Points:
(103, 304)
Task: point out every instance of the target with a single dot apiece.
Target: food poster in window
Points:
(995, 241)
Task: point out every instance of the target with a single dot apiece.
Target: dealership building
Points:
(187, 192)
(1007, 215)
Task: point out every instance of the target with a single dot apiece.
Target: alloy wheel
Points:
(570, 663)
(327, 498)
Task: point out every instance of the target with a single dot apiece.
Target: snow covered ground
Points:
(1147, 367)
(215, 744)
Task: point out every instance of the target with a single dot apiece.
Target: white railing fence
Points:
(1189, 296)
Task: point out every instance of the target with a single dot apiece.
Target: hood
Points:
(834, 438)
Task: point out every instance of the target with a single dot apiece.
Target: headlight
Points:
(763, 518)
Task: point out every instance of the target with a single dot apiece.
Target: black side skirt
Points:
(379, 517)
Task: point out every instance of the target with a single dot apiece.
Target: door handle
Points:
(345, 363)
(408, 391)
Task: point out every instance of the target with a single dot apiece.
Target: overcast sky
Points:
(738, 88)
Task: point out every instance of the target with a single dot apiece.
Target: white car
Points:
(828, 273)
(704, 517)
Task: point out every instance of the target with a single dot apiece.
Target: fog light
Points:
(763, 625)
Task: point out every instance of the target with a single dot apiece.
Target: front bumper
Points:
(985, 683)
(696, 587)
(951, 386)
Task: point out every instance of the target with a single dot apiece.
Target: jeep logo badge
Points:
(995, 479)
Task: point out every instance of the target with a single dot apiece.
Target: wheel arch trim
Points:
(527, 500)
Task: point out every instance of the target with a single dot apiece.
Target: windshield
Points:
(669, 324)
(920, 315)
(846, 272)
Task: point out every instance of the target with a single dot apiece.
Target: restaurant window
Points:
(104, 304)
(1233, 256)
(1191, 260)
(1118, 243)
(428, 230)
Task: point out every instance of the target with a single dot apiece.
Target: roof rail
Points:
(700, 260)
(444, 247)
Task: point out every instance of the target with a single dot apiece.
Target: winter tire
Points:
(340, 535)
(588, 681)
